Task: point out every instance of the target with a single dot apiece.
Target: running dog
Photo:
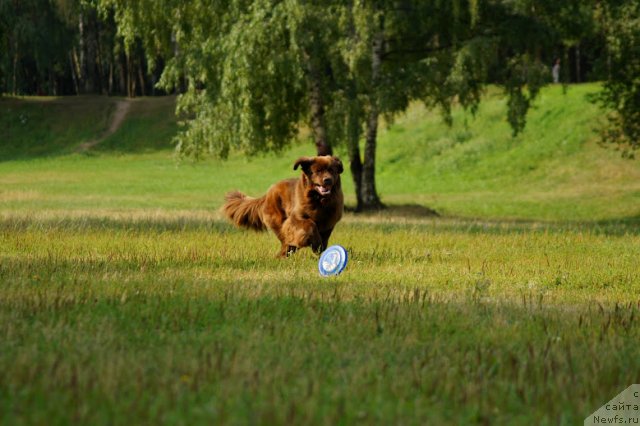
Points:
(301, 212)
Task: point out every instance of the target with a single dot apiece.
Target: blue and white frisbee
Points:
(332, 261)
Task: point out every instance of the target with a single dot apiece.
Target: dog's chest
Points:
(322, 211)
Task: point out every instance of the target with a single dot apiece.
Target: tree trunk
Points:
(369, 194)
(578, 71)
(15, 72)
(316, 105)
(318, 125)
(74, 73)
(565, 69)
(51, 89)
(123, 89)
(143, 91)
(131, 78)
(110, 78)
(91, 81)
(355, 164)
(100, 66)
(353, 145)
(80, 57)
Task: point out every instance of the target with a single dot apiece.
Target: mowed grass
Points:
(553, 171)
(126, 298)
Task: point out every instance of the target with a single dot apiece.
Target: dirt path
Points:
(122, 108)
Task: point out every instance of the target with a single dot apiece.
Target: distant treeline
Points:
(65, 47)
(68, 47)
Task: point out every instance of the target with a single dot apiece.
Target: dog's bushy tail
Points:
(244, 211)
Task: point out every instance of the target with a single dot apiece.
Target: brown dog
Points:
(301, 212)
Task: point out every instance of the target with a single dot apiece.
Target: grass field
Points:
(125, 298)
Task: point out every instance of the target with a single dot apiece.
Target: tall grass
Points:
(191, 321)
(125, 298)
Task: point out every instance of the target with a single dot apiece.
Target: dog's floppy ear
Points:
(305, 163)
(338, 164)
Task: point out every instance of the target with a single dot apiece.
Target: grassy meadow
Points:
(126, 298)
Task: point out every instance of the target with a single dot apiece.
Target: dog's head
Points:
(321, 174)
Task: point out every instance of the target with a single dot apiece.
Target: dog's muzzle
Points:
(323, 190)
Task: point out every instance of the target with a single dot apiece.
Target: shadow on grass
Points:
(395, 218)
(397, 210)
(612, 227)
(140, 224)
(402, 215)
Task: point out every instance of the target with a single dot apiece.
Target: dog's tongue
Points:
(323, 190)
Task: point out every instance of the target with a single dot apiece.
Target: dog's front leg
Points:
(285, 250)
(301, 233)
(324, 235)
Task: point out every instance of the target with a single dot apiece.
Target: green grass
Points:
(150, 125)
(187, 320)
(554, 170)
(125, 298)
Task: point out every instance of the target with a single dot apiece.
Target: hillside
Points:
(553, 171)
(45, 126)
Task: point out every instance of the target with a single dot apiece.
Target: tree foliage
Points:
(620, 22)
(31, 41)
(256, 69)
(250, 72)
(61, 47)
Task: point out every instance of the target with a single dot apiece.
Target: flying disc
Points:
(332, 261)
